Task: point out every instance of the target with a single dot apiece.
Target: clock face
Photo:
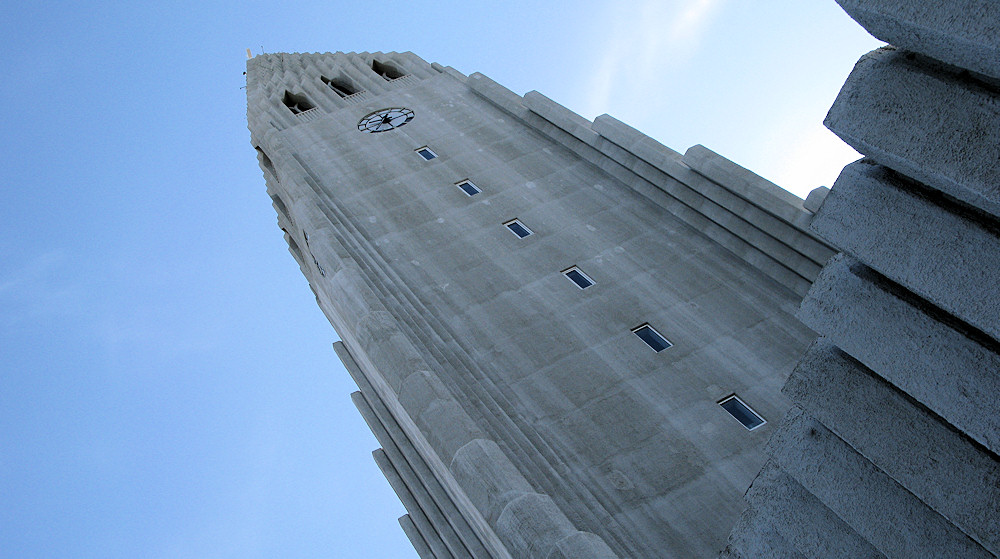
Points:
(385, 119)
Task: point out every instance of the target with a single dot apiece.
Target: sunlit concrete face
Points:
(514, 394)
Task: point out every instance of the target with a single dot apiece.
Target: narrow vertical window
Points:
(468, 188)
(518, 228)
(742, 412)
(579, 278)
(653, 339)
(426, 153)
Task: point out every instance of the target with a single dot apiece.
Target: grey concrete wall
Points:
(754, 219)
(892, 447)
(546, 423)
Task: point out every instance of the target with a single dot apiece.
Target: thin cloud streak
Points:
(643, 43)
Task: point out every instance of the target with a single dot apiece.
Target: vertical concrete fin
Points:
(416, 539)
(964, 35)
(446, 504)
(424, 525)
(890, 99)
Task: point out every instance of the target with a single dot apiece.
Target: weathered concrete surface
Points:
(897, 435)
(424, 525)
(924, 122)
(432, 477)
(860, 494)
(754, 536)
(530, 403)
(963, 33)
(803, 521)
(815, 198)
(747, 184)
(535, 526)
(438, 414)
(907, 344)
(416, 540)
(951, 474)
(875, 215)
(743, 212)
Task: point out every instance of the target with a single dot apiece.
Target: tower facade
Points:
(568, 339)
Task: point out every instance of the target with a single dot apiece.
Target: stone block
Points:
(453, 73)
(815, 198)
(802, 520)
(438, 415)
(634, 141)
(581, 544)
(924, 122)
(880, 510)
(488, 477)
(965, 34)
(532, 526)
(496, 94)
(947, 471)
(904, 340)
(748, 185)
(930, 246)
(559, 115)
(754, 536)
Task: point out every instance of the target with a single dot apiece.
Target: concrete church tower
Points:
(568, 339)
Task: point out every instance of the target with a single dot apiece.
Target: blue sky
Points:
(168, 384)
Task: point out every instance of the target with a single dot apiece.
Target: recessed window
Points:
(518, 228)
(468, 188)
(652, 338)
(426, 153)
(297, 103)
(342, 87)
(742, 412)
(579, 278)
(386, 70)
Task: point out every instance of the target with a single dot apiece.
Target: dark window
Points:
(426, 153)
(518, 228)
(579, 278)
(296, 103)
(742, 412)
(652, 338)
(341, 86)
(387, 71)
(469, 188)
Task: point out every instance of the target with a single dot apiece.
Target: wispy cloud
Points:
(643, 42)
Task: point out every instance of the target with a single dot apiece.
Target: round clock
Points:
(385, 119)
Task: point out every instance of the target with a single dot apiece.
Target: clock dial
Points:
(385, 119)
